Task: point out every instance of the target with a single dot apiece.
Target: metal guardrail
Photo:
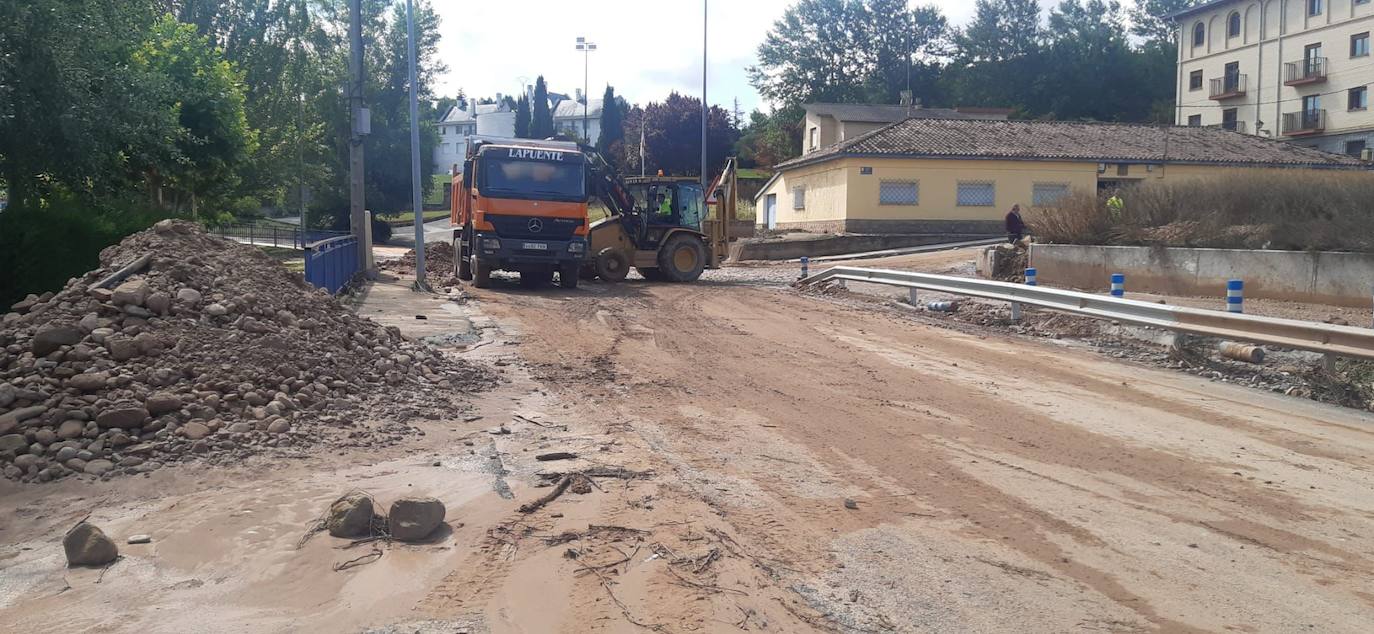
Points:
(274, 234)
(1343, 341)
(329, 264)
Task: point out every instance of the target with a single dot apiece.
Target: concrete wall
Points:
(835, 245)
(1342, 279)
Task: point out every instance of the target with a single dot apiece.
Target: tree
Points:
(1093, 62)
(541, 120)
(1001, 30)
(673, 136)
(903, 49)
(769, 139)
(522, 118)
(612, 124)
(1150, 19)
(207, 99)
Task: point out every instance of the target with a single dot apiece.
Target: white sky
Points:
(646, 48)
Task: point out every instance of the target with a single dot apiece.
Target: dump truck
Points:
(520, 205)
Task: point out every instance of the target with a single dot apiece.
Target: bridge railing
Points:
(274, 234)
(330, 263)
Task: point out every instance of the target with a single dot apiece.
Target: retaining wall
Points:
(837, 245)
(1323, 277)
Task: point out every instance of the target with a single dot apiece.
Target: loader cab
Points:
(670, 203)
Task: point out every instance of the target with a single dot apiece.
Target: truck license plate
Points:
(536, 246)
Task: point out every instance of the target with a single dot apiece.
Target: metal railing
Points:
(1227, 87)
(1233, 126)
(1307, 71)
(1304, 122)
(331, 263)
(1344, 341)
(271, 234)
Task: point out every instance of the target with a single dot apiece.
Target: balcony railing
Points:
(1234, 126)
(1228, 87)
(1309, 71)
(1304, 122)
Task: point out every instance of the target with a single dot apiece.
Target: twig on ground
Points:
(107, 566)
(373, 556)
(702, 586)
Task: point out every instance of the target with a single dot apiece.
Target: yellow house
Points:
(962, 176)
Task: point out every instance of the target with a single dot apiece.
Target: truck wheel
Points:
(651, 274)
(481, 272)
(568, 276)
(535, 279)
(464, 265)
(612, 265)
(682, 259)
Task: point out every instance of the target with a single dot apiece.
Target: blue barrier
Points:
(329, 264)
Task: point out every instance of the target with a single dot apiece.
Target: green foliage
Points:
(1150, 21)
(541, 121)
(673, 136)
(612, 124)
(769, 139)
(522, 118)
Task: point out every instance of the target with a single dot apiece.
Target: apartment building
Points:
(1295, 70)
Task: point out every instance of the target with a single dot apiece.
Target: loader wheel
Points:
(612, 265)
(464, 271)
(651, 274)
(682, 259)
(481, 272)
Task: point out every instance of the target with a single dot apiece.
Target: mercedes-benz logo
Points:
(536, 225)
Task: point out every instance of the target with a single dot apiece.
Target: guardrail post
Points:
(1030, 277)
(250, 234)
(1016, 311)
(1235, 296)
(804, 262)
(1329, 364)
(1118, 284)
(911, 296)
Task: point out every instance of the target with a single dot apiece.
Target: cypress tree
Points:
(541, 124)
(522, 118)
(612, 124)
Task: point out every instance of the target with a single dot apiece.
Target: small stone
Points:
(415, 518)
(64, 454)
(13, 442)
(131, 461)
(7, 394)
(195, 431)
(52, 338)
(240, 428)
(100, 335)
(188, 296)
(122, 418)
(99, 467)
(140, 539)
(132, 292)
(87, 545)
(279, 426)
(70, 429)
(160, 403)
(216, 310)
(850, 504)
(28, 460)
(159, 302)
(121, 348)
(75, 464)
(350, 516)
(89, 381)
(89, 323)
(45, 436)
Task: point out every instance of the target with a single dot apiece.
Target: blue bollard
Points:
(1030, 277)
(1235, 296)
(804, 262)
(1118, 284)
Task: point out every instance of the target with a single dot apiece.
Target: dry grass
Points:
(1297, 210)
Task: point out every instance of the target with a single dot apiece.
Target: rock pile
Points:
(439, 257)
(209, 350)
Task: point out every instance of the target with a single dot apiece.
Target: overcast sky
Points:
(646, 48)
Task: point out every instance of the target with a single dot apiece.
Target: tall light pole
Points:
(705, 183)
(417, 205)
(586, 48)
(361, 125)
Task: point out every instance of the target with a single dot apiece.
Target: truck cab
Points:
(520, 205)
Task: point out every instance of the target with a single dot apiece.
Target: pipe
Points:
(1241, 352)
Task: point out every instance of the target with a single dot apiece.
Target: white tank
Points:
(496, 124)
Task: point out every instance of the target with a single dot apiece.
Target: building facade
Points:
(1295, 70)
(459, 123)
(830, 123)
(961, 176)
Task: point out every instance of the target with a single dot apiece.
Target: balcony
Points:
(1304, 122)
(1228, 87)
(1234, 126)
(1308, 71)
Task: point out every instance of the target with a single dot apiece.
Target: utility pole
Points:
(705, 178)
(361, 122)
(586, 48)
(415, 196)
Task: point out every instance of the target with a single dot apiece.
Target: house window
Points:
(1048, 194)
(1195, 80)
(798, 198)
(1199, 35)
(1233, 25)
(815, 133)
(977, 194)
(1358, 98)
(1355, 148)
(1228, 119)
(1123, 169)
(905, 193)
(1314, 7)
(1359, 45)
(1194, 120)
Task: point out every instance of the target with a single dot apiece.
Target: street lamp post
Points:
(586, 48)
(705, 178)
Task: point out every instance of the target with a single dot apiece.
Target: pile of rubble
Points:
(184, 346)
(439, 269)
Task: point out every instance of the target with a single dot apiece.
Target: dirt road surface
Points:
(761, 461)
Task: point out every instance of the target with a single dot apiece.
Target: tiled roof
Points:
(1075, 141)
(458, 115)
(880, 113)
(572, 109)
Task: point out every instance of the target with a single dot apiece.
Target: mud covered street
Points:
(744, 458)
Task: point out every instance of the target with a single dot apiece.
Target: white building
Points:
(1296, 70)
(458, 124)
(568, 117)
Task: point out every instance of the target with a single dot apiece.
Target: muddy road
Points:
(758, 461)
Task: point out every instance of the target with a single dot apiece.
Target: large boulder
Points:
(350, 515)
(160, 403)
(126, 417)
(415, 518)
(9, 421)
(13, 442)
(133, 292)
(52, 338)
(87, 545)
(89, 381)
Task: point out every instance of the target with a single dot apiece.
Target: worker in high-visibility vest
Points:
(1114, 207)
(665, 206)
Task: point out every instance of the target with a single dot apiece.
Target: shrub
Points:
(1291, 210)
